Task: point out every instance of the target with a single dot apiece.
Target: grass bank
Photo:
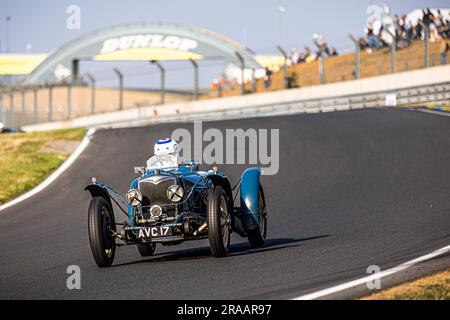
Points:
(434, 287)
(26, 159)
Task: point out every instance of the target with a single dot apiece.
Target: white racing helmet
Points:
(166, 146)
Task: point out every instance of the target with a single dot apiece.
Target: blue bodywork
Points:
(249, 198)
(197, 182)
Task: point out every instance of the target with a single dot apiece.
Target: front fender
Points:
(130, 209)
(249, 198)
(222, 180)
(98, 191)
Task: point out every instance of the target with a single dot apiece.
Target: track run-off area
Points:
(354, 189)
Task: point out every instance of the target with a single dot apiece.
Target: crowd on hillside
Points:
(307, 55)
(377, 32)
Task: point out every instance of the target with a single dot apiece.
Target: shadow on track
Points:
(237, 249)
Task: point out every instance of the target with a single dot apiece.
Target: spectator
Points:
(407, 30)
(373, 41)
(362, 43)
(434, 35)
(441, 24)
(334, 52)
(307, 52)
(295, 56)
(321, 43)
(268, 78)
(437, 23)
(417, 31)
(397, 26)
(427, 17)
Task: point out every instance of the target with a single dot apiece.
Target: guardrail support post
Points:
(22, 100)
(1, 108)
(75, 70)
(196, 85)
(92, 80)
(35, 104)
(393, 52)
(426, 41)
(11, 107)
(50, 102)
(321, 63)
(120, 76)
(242, 61)
(322, 68)
(163, 76)
(254, 83)
(69, 100)
(11, 100)
(219, 90)
(285, 69)
(357, 56)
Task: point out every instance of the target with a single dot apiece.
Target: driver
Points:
(166, 154)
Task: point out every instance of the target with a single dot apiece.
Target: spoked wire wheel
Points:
(102, 229)
(219, 221)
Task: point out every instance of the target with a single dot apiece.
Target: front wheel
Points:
(102, 227)
(219, 221)
(257, 236)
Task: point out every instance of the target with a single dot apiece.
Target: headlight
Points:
(134, 197)
(175, 193)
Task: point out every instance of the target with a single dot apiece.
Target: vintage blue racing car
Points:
(172, 204)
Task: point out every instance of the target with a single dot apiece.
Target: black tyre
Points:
(257, 237)
(146, 249)
(102, 227)
(219, 221)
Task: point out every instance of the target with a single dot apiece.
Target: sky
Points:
(40, 27)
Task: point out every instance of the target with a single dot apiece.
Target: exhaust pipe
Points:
(200, 229)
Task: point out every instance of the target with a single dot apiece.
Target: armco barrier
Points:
(412, 88)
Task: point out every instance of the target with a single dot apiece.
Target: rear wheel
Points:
(146, 249)
(257, 236)
(102, 227)
(219, 221)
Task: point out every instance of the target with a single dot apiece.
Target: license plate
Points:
(154, 232)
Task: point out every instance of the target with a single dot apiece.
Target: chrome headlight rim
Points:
(175, 193)
(134, 197)
(156, 211)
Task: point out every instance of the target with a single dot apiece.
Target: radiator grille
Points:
(155, 193)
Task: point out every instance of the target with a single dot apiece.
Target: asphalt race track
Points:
(354, 189)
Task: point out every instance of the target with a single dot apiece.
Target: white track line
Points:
(354, 283)
(55, 174)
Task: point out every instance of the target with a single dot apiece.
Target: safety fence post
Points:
(285, 69)
(93, 88)
(50, 102)
(357, 56)
(120, 76)
(242, 62)
(426, 41)
(196, 79)
(162, 89)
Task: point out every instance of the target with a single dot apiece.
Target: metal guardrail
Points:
(412, 96)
